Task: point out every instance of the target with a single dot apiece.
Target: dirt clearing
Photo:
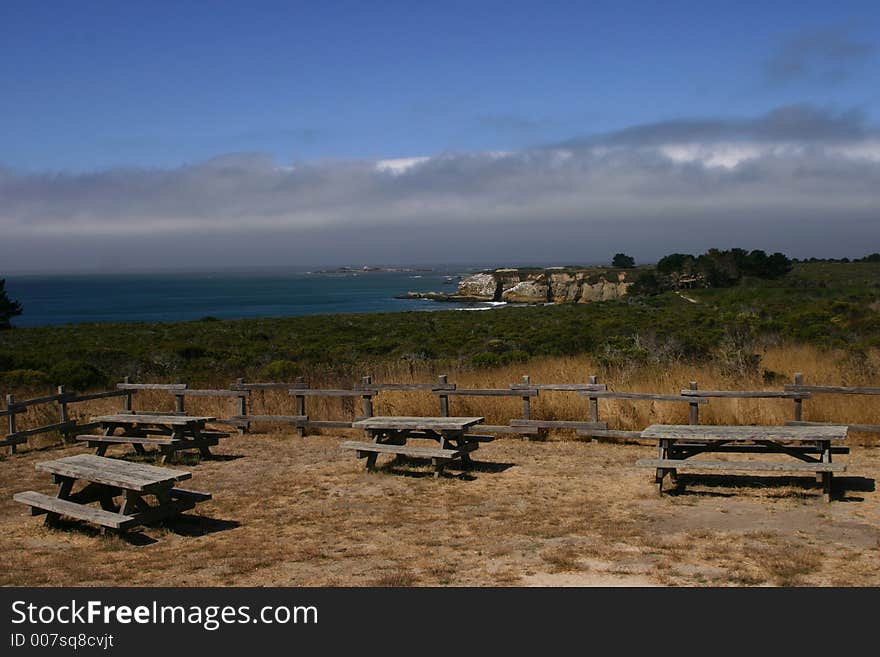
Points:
(299, 512)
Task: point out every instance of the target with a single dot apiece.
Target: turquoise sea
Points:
(172, 297)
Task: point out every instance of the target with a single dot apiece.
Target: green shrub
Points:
(24, 379)
(77, 375)
(486, 359)
(281, 370)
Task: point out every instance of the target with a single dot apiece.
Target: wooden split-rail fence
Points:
(241, 417)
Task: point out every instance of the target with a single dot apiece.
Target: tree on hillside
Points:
(623, 261)
(8, 307)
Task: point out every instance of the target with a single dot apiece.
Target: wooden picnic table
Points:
(810, 446)
(390, 434)
(104, 480)
(168, 433)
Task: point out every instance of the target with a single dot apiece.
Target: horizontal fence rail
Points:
(241, 392)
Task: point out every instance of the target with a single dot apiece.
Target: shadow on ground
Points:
(842, 486)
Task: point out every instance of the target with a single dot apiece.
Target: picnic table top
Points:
(135, 418)
(737, 433)
(417, 423)
(114, 472)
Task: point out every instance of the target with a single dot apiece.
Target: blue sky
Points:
(87, 85)
(261, 132)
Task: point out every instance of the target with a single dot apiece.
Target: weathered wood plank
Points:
(190, 392)
(20, 405)
(712, 433)
(281, 419)
(418, 423)
(504, 428)
(643, 395)
(114, 472)
(151, 386)
(744, 394)
(692, 464)
(119, 440)
(755, 449)
(867, 428)
(186, 494)
(263, 386)
(408, 450)
(837, 390)
(59, 426)
(558, 424)
(560, 387)
(379, 387)
(611, 433)
(149, 418)
(314, 392)
(488, 392)
(96, 515)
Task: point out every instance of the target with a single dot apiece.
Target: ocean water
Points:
(173, 297)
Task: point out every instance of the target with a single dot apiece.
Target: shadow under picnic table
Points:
(803, 486)
(401, 465)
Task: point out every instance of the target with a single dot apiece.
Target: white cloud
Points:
(677, 182)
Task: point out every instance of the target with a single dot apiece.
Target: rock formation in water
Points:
(545, 286)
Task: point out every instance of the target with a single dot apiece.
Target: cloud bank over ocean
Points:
(800, 179)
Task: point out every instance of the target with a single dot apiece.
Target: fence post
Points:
(798, 401)
(65, 416)
(594, 406)
(242, 408)
(10, 400)
(444, 399)
(179, 404)
(300, 404)
(527, 403)
(367, 398)
(126, 399)
(693, 409)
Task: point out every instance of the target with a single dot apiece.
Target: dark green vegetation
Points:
(8, 307)
(623, 261)
(824, 304)
(724, 268)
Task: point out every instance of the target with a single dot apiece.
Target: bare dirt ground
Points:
(300, 512)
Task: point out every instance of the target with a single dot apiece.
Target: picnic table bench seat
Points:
(94, 440)
(680, 464)
(406, 450)
(41, 503)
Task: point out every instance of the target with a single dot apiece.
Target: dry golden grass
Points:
(818, 366)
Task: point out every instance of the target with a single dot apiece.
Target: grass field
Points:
(292, 511)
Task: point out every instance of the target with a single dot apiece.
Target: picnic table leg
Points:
(825, 445)
(102, 447)
(371, 457)
(167, 451)
(203, 449)
(662, 453)
(130, 503)
(65, 485)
